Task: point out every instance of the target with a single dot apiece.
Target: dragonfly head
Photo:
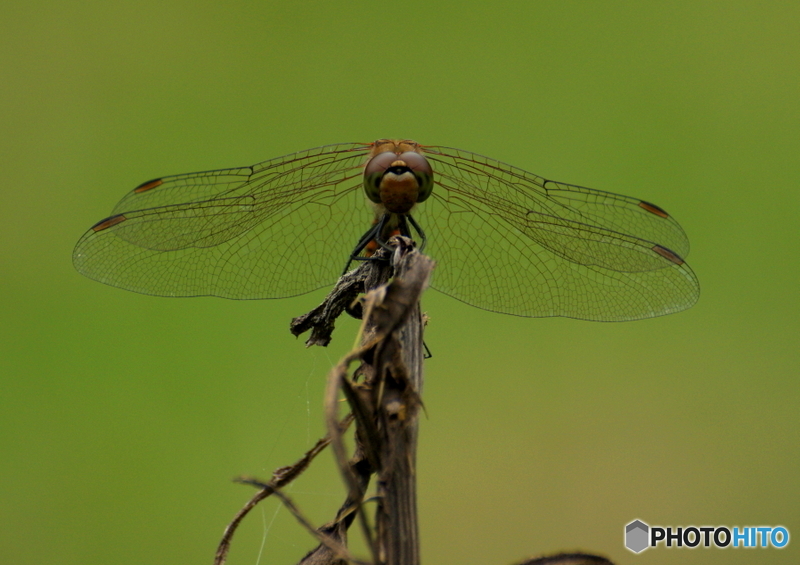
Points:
(398, 178)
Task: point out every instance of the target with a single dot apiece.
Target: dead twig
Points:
(385, 405)
(280, 478)
(374, 404)
(321, 320)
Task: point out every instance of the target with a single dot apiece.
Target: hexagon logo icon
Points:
(637, 535)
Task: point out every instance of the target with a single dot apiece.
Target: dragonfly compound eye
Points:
(373, 174)
(422, 172)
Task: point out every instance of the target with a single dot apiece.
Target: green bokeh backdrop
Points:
(123, 417)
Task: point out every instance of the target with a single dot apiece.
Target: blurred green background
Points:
(123, 417)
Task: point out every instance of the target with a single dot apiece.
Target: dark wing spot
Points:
(668, 254)
(145, 186)
(108, 222)
(653, 209)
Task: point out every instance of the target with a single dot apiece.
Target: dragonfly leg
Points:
(372, 233)
(419, 231)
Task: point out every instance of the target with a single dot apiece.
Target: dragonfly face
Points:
(398, 175)
(504, 239)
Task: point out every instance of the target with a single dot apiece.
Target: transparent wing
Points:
(509, 241)
(279, 228)
(506, 240)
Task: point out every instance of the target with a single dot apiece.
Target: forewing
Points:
(510, 241)
(279, 228)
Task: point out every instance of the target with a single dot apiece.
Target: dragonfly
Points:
(504, 239)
